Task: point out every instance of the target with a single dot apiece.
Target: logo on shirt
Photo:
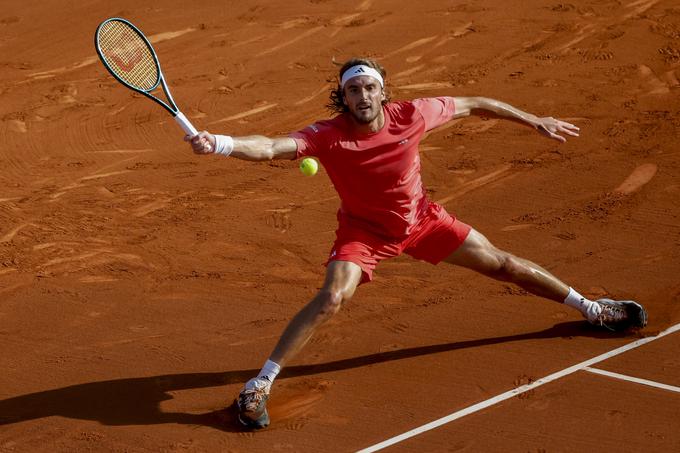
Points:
(314, 128)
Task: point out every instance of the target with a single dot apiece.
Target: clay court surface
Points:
(141, 285)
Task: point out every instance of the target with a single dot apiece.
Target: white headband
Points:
(359, 70)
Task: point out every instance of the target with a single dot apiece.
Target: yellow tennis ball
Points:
(309, 166)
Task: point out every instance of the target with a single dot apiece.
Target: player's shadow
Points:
(136, 401)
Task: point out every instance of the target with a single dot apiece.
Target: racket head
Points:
(128, 55)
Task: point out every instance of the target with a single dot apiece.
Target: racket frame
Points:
(182, 120)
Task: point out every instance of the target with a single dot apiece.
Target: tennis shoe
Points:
(252, 403)
(618, 315)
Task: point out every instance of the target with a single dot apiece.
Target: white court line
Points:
(624, 377)
(516, 391)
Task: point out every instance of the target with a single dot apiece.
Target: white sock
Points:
(587, 307)
(269, 371)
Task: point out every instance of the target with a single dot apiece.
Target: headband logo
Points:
(358, 70)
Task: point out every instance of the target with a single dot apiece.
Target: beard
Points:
(366, 116)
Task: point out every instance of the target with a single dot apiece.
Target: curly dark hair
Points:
(336, 103)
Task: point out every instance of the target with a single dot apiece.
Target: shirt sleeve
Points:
(435, 111)
(311, 140)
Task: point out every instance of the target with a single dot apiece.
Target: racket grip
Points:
(185, 124)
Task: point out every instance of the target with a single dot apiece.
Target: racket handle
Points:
(189, 129)
(185, 124)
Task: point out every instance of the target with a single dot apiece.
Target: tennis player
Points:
(370, 152)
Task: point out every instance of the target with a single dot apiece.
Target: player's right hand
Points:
(201, 143)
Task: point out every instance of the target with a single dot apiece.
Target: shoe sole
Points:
(260, 423)
(641, 315)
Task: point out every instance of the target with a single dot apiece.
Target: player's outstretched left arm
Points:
(547, 126)
(254, 147)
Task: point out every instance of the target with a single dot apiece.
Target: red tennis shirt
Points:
(377, 175)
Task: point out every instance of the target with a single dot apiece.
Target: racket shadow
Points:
(136, 401)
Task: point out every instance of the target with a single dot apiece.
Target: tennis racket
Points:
(130, 58)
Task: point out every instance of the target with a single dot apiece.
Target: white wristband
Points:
(224, 144)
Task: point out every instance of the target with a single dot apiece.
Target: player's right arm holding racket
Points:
(254, 147)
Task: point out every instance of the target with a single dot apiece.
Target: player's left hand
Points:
(551, 128)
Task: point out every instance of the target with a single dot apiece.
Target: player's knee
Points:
(501, 266)
(511, 268)
(329, 303)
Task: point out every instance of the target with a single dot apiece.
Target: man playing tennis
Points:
(370, 152)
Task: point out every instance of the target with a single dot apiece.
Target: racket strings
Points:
(128, 55)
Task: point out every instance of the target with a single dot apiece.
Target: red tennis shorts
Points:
(435, 237)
